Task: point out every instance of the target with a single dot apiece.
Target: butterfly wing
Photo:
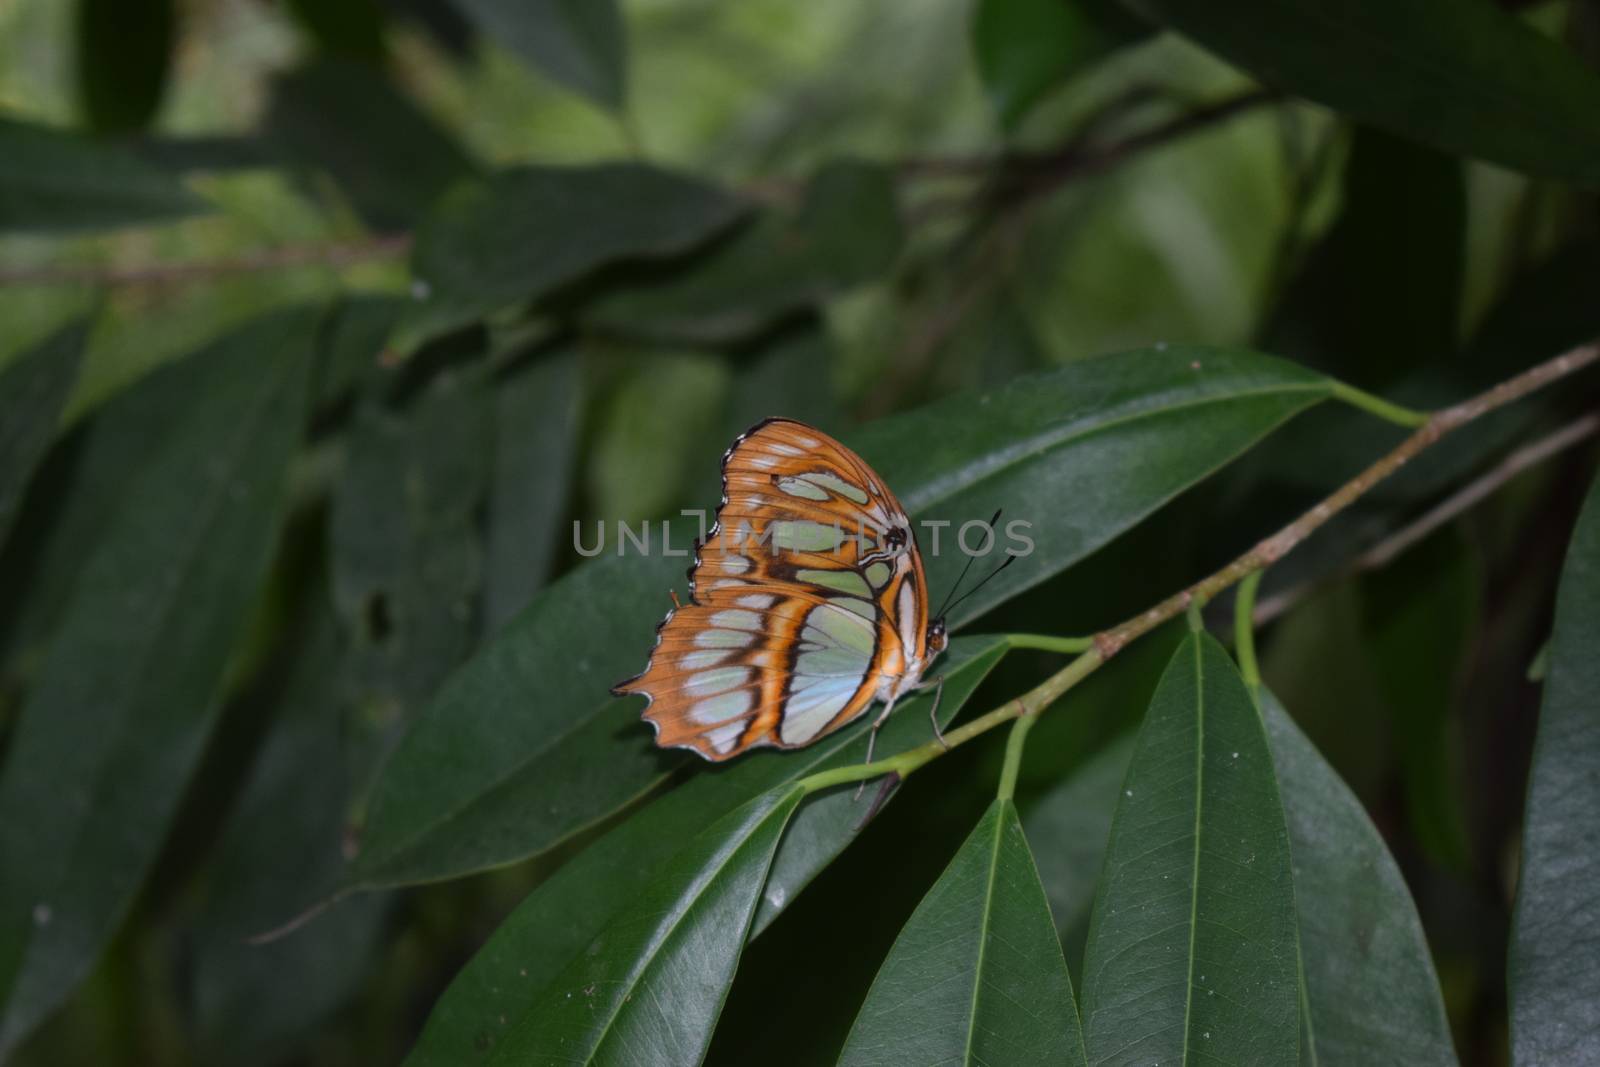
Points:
(807, 600)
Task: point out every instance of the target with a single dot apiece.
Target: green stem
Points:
(1047, 643)
(1378, 406)
(1014, 744)
(1244, 631)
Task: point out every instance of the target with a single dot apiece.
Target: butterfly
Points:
(807, 602)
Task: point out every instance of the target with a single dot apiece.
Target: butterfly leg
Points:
(933, 713)
(872, 741)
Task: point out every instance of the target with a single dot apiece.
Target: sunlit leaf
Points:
(1192, 951)
(1555, 935)
(976, 975)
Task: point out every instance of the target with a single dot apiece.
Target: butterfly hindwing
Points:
(805, 596)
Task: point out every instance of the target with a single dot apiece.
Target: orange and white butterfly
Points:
(807, 602)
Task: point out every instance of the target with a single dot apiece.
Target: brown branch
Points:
(335, 254)
(1380, 554)
(1109, 642)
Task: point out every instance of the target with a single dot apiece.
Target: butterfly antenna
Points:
(986, 580)
(970, 560)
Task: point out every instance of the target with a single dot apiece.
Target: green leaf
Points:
(52, 181)
(125, 700)
(488, 774)
(846, 233)
(349, 29)
(124, 50)
(1470, 79)
(1555, 932)
(649, 988)
(535, 437)
(406, 553)
(572, 906)
(352, 343)
(33, 389)
(1192, 948)
(253, 1002)
(1025, 48)
(1073, 818)
(578, 43)
(1371, 995)
(388, 156)
(976, 975)
(519, 235)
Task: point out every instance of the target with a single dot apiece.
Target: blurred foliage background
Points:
(952, 194)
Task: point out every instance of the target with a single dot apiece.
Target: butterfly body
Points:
(807, 603)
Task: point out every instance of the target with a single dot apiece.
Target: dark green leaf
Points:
(491, 772)
(406, 552)
(846, 233)
(578, 43)
(517, 236)
(1025, 48)
(348, 29)
(649, 988)
(123, 705)
(1470, 79)
(389, 157)
(124, 49)
(352, 343)
(52, 180)
(1071, 822)
(976, 975)
(253, 1002)
(1192, 948)
(535, 436)
(571, 907)
(1380, 295)
(1555, 936)
(33, 389)
(1371, 995)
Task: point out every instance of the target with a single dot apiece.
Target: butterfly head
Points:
(938, 636)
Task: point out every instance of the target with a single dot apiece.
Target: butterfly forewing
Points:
(807, 599)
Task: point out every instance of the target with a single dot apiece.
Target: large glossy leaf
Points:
(124, 49)
(33, 389)
(579, 43)
(126, 697)
(535, 435)
(846, 232)
(564, 913)
(1025, 48)
(1555, 937)
(1468, 78)
(1371, 995)
(520, 234)
(649, 988)
(1192, 948)
(52, 180)
(524, 745)
(390, 159)
(976, 975)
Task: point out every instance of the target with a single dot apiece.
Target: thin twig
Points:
(1108, 643)
(334, 254)
(1382, 553)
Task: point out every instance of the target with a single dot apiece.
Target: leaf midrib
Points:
(1199, 801)
(983, 929)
